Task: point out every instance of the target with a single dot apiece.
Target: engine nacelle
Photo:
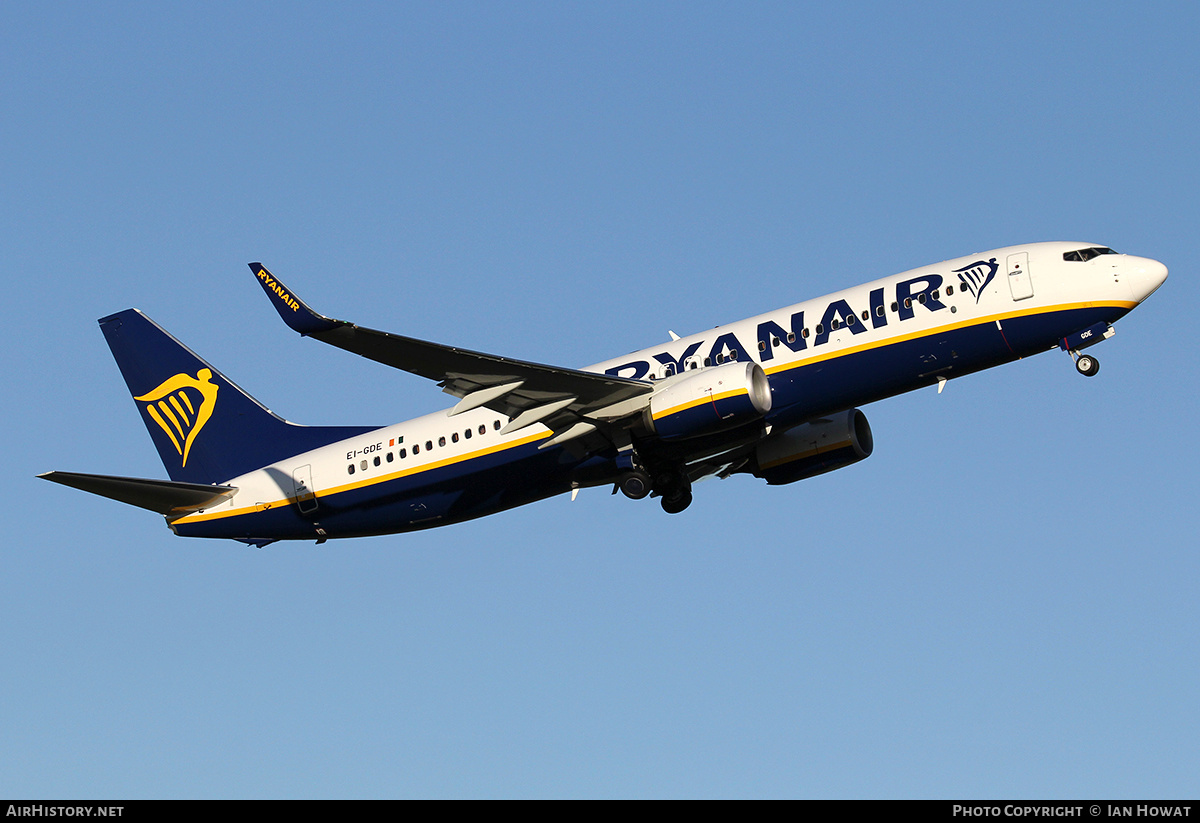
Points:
(709, 400)
(814, 448)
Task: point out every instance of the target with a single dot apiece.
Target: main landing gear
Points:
(674, 505)
(672, 487)
(635, 485)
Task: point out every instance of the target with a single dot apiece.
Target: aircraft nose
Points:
(1148, 275)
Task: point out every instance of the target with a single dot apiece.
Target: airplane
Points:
(774, 396)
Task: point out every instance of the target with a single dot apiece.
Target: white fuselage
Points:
(1008, 289)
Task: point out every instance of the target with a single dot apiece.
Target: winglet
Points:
(292, 309)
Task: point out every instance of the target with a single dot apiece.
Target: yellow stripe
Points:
(691, 404)
(325, 493)
(973, 321)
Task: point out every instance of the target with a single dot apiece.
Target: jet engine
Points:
(708, 401)
(813, 448)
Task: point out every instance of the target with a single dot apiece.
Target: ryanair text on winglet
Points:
(275, 286)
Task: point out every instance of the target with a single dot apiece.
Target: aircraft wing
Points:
(569, 402)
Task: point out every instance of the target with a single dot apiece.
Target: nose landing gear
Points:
(1087, 365)
(1074, 345)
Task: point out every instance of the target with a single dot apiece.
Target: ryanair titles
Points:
(280, 292)
(838, 315)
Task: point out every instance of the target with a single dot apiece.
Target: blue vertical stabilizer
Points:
(206, 429)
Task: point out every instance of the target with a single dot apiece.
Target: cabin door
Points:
(1019, 281)
(306, 498)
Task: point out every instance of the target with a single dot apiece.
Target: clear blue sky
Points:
(1000, 602)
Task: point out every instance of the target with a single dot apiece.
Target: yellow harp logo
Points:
(181, 405)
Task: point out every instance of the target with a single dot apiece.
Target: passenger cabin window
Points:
(1082, 255)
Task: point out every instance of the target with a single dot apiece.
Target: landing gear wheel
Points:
(635, 485)
(670, 484)
(1087, 365)
(674, 505)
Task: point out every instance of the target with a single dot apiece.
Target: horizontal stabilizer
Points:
(163, 496)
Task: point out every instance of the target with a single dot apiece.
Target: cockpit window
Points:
(1080, 255)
